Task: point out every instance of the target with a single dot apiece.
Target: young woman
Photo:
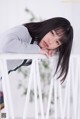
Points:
(45, 37)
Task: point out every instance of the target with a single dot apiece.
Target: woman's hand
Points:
(51, 52)
(47, 52)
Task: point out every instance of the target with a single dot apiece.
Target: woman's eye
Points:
(57, 42)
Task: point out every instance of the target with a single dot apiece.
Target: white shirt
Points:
(17, 40)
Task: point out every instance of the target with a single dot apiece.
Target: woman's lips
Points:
(45, 44)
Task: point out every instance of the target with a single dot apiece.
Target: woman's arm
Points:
(17, 40)
(15, 45)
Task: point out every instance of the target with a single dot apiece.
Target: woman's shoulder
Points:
(19, 31)
(15, 30)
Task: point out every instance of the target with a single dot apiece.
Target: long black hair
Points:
(63, 27)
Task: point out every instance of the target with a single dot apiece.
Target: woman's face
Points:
(50, 41)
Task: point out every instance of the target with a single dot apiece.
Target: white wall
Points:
(12, 13)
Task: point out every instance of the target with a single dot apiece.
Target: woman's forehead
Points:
(59, 31)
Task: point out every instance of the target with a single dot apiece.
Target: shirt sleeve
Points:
(15, 45)
(17, 40)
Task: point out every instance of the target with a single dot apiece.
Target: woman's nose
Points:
(50, 41)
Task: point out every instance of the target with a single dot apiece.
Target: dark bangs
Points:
(63, 35)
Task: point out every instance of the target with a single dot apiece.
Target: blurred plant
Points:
(45, 75)
(32, 16)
